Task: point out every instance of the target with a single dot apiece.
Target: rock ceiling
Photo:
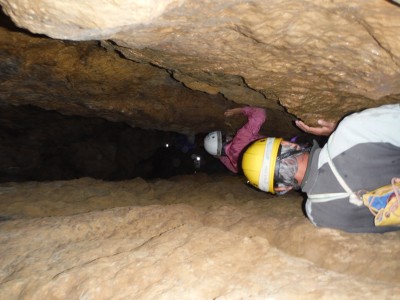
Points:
(178, 64)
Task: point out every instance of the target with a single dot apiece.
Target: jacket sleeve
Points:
(245, 135)
(255, 118)
(227, 162)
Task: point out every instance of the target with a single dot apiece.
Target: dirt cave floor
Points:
(189, 237)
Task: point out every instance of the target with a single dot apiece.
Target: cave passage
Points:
(41, 145)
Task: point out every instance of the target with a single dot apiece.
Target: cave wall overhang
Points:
(315, 59)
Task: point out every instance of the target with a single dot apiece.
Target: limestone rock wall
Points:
(316, 58)
(196, 237)
(86, 79)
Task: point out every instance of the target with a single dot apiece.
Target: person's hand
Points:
(233, 111)
(326, 128)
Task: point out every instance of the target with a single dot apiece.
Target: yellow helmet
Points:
(258, 163)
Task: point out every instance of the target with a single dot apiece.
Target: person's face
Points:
(282, 189)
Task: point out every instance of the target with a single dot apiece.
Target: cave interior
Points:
(39, 143)
(106, 191)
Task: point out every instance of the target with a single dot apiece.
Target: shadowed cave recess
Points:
(40, 145)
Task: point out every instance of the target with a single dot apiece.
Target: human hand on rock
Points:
(233, 111)
(326, 128)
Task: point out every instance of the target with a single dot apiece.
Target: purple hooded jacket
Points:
(245, 135)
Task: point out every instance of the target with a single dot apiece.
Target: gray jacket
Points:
(365, 149)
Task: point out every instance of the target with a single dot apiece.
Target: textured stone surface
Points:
(195, 237)
(317, 58)
(82, 78)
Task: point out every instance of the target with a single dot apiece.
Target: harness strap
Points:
(319, 198)
(353, 198)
